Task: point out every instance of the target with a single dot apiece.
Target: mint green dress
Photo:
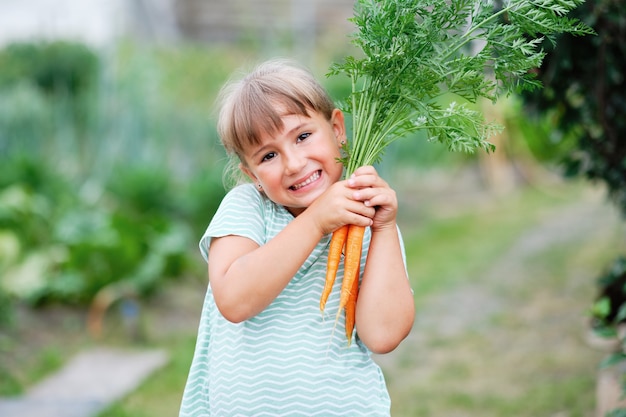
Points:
(288, 360)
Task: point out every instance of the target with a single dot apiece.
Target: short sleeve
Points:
(241, 213)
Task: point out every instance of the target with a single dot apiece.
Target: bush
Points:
(584, 96)
(68, 247)
(55, 67)
(106, 176)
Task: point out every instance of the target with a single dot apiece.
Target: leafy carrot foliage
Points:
(417, 51)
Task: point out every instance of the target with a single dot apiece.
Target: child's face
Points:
(296, 165)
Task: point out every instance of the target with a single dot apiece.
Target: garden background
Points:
(110, 170)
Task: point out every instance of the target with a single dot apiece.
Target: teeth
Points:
(309, 180)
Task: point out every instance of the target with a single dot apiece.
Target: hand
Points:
(374, 192)
(337, 207)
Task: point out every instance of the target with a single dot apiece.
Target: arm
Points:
(385, 308)
(246, 278)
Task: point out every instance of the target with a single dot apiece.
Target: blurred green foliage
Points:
(584, 100)
(55, 67)
(107, 175)
(584, 96)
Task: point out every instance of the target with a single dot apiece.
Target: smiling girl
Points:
(263, 348)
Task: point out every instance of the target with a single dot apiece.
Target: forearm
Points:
(385, 307)
(255, 278)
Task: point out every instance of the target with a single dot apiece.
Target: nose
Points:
(293, 161)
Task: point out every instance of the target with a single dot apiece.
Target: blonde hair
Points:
(253, 106)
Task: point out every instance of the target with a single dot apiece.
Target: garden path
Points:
(85, 386)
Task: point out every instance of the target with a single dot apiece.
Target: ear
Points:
(339, 126)
(248, 172)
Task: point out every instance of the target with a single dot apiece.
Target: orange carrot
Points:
(353, 237)
(352, 262)
(351, 308)
(334, 257)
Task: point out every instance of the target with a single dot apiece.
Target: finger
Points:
(382, 200)
(362, 209)
(366, 169)
(363, 181)
(370, 193)
(366, 180)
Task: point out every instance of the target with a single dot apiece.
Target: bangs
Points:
(260, 113)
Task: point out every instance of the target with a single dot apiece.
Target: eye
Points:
(268, 156)
(303, 136)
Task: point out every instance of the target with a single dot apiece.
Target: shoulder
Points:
(244, 198)
(244, 192)
(241, 202)
(247, 200)
(241, 213)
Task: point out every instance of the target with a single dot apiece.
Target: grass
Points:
(160, 395)
(47, 360)
(525, 356)
(452, 245)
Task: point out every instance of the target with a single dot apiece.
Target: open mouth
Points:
(306, 182)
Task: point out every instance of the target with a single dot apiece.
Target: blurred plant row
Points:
(111, 168)
(109, 172)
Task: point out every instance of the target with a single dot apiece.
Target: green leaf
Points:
(618, 412)
(601, 308)
(613, 360)
(621, 314)
(417, 51)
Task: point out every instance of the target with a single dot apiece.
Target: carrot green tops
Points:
(286, 361)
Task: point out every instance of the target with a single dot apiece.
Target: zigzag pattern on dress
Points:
(286, 361)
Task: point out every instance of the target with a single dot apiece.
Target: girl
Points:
(263, 348)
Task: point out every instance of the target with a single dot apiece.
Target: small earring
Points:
(343, 142)
(259, 185)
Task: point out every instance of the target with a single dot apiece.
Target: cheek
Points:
(335, 167)
(269, 175)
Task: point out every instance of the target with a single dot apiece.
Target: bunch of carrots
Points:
(415, 52)
(349, 237)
